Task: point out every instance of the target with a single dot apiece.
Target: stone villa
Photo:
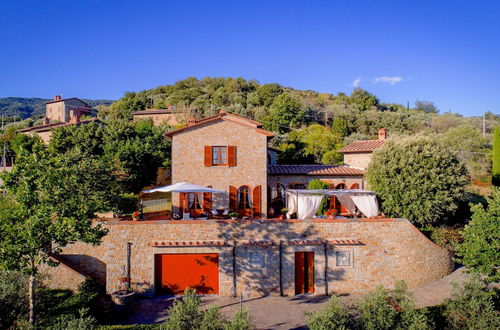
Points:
(61, 112)
(257, 255)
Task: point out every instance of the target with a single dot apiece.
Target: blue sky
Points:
(447, 52)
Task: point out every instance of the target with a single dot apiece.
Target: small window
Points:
(219, 155)
(343, 258)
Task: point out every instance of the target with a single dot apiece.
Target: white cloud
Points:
(356, 82)
(388, 80)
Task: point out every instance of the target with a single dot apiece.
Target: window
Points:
(194, 201)
(244, 197)
(219, 155)
(343, 258)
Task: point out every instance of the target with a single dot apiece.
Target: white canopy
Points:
(184, 187)
(302, 201)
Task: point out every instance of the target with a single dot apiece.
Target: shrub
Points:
(13, 298)
(384, 309)
(480, 250)
(376, 312)
(333, 316)
(242, 321)
(318, 184)
(69, 322)
(495, 172)
(212, 319)
(445, 236)
(185, 314)
(419, 179)
(472, 306)
(128, 203)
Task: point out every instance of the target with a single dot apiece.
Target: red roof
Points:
(336, 170)
(362, 146)
(152, 112)
(236, 119)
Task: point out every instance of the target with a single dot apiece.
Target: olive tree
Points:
(419, 179)
(53, 201)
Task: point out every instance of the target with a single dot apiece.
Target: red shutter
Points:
(182, 202)
(207, 202)
(208, 156)
(256, 198)
(231, 156)
(233, 198)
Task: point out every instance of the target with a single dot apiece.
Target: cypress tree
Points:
(495, 172)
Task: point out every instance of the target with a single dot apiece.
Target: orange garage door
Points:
(176, 272)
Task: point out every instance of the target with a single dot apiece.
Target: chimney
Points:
(57, 98)
(191, 121)
(382, 134)
(222, 111)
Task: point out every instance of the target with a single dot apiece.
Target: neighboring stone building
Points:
(61, 112)
(258, 256)
(359, 153)
(158, 116)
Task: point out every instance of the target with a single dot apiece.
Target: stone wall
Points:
(251, 160)
(388, 250)
(361, 159)
(61, 277)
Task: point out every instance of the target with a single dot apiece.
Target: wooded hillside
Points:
(312, 126)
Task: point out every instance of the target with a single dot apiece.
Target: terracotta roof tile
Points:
(363, 146)
(152, 112)
(314, 170)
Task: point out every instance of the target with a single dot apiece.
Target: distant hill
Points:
(25, 107)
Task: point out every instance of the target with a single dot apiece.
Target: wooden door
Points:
(304, 272)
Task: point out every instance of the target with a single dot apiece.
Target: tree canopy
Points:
(52, 201)
(480, 249)
(419, 179)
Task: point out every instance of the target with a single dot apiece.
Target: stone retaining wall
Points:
(388, 250)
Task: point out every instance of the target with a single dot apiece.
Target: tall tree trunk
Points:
(31, 295)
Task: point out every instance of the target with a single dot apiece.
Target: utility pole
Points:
(484, 124)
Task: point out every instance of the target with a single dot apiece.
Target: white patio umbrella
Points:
(184, 187)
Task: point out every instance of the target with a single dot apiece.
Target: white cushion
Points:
(226, 212)
(214, 212)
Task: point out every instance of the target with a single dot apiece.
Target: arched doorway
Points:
(244, 201)
(278, 198)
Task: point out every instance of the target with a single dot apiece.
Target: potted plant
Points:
(331, 213)
(233, 215)
(125, 295)
(136, 216)
(283, 213)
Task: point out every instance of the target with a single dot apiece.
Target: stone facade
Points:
(158, 117)
(386, 250)
(251, 160)
(360, 159)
